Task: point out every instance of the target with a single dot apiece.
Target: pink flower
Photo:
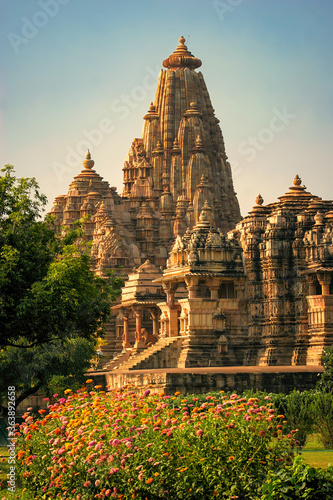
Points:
(97, 482)
(146, 393)
(199, 432)
(87, 484)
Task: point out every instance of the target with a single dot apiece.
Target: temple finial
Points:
(297, 180)
(182, 58)
(88, 163)
(259, 200)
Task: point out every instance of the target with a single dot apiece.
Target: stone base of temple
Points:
(201, 380)
(196, 350)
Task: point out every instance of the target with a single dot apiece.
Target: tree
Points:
(48, 291)
(52, 305)
(326, 380)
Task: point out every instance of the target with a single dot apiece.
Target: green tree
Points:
(326, 380)
(51, 302)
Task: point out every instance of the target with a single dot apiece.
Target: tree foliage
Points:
(52, 305)
(48, 291)
(326, 380)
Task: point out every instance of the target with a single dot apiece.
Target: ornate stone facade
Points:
(204, 287)
(288, 258)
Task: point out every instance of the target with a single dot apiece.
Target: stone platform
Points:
(200, 380)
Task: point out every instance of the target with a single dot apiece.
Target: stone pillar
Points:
(325, 281)
(214, 286)
(312, 281)
(126, 343)
(155, 324)
(192, 285)
(170, 289)
(138, 326)
(139, 341)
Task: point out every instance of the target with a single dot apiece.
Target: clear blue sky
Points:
(69, 67)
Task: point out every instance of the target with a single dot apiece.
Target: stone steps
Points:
(152, 357)
(120, 358)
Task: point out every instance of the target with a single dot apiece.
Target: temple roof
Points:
(182, 58)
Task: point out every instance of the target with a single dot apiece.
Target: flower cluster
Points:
(126, 445)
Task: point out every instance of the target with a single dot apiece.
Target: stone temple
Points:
(204, 286)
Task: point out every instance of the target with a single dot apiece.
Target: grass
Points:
(315, 454)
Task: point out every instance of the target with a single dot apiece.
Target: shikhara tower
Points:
(176, 167)
(180, 162)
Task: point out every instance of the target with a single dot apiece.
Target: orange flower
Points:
(177, 393)
(89, 381)
(41, 411)
(150, 480)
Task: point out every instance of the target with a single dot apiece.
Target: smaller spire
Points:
(203, 182)
(175, 149)
(198, 148)
(158, 150)
(193, 110)
(152, 113)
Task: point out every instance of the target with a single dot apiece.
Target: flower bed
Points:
(125, 445)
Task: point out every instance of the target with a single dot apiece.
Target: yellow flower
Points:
(232, 457)
(177, 393)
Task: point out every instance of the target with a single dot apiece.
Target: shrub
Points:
(323, 410)
(326, 380)
(299, 481)
(298, 410)
(129, 446)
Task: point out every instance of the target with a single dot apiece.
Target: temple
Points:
(204, 287)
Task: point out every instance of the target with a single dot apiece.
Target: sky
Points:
(81, 73)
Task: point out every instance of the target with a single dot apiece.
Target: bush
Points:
(326, 380)
(129, 446)
(323, 410)
(297, 407)
(299, 481)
